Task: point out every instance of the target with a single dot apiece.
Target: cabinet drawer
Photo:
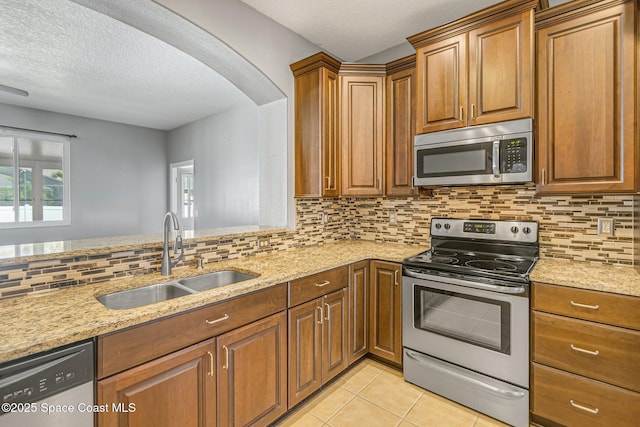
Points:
(618, 310)
(606, 353)
(572, 400)
(311, 287)
(124, 349)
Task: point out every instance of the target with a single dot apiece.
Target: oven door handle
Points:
(469, 284)
(507, 394)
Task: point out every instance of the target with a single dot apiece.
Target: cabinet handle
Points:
(395, 277)
(413, 182)
(542, 177)
(473, 111)
(592, 307)
(584, 408)
(461, 113)
(328, 313)
(582, 350)
(226, 357)
(379, 184)
(321, 314)
(210, 363)
(213, 322)
(325, 283)
(328, 183)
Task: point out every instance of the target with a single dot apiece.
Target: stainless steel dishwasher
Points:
(53, 389)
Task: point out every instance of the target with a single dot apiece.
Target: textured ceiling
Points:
(74, 60)
(356, 29)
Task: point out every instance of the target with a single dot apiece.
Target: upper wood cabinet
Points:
(317, 154)
(586, 118)
(400, 125)
(362, 129)
(476, 70)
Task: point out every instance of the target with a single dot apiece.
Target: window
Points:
(34, 180)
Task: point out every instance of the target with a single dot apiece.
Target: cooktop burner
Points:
(471, 248)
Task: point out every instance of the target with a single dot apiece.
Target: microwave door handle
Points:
(495, 160)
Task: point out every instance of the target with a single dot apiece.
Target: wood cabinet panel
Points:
(362, 135)
(501, 70)
(400, 125)
(617, 310)
(252, 373)
(177, 390)
(124, 349)
(586, 134)
(305, 350)
(385, 311)
(358, 310)
(577, 401)
(334, 334)
(317, 285)
(441, 85)
(317, 153)
(602, 352)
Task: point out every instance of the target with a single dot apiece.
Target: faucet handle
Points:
(177, 246)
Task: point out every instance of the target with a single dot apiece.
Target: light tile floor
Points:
(374, 395)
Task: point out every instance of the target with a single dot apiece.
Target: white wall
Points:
(264, 43)
(118, 177)
(226, 157)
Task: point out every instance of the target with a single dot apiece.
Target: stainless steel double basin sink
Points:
(165, 291)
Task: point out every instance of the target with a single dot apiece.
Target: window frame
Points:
(66, 182)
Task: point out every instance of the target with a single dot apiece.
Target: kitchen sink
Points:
(215, 280)
(144, 296)
(166, 291)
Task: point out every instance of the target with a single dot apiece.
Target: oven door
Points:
(483, 330)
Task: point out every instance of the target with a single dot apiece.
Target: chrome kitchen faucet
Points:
(167, 262)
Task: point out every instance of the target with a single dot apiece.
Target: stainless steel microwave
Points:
(498, 153)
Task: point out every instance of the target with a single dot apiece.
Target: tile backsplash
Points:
(568, 229)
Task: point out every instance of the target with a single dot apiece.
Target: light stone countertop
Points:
(40, 322)
(605, 278)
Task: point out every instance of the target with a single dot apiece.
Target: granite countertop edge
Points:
(41, 322)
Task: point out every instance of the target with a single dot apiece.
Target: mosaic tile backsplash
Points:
(568, 229)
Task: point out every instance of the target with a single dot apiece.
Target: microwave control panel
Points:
(513, 155)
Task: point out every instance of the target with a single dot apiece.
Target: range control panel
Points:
(511, 231)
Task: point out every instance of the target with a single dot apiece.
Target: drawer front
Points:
(606, 353)
(572, 400)
(312, 287)
(617, 310)
(122, 350)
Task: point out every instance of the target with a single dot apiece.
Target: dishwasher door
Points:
(53, 389)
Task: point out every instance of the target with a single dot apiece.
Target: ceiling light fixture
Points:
(13, 90)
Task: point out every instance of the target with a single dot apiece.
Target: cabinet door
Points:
(501, 70)
(305, 350)
(316, 133)
(441, 85)
(586, 113)
(385, 311)
(334, 334)
(358, 310)
(252, 373)
(177, 390)
(400, 132)
(362, 131)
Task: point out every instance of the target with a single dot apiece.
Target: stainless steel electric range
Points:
(465, 306)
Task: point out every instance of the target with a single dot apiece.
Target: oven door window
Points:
(476, 320)
(459, 160)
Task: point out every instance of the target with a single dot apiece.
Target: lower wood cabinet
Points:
(317, 343)
(177, 390)
(385, 311)
(252, 373)
(358, 310)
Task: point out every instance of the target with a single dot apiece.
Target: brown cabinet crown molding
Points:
(350, 68)
(572, 10)
(318, 60)
(470, 22)
(401, 64)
